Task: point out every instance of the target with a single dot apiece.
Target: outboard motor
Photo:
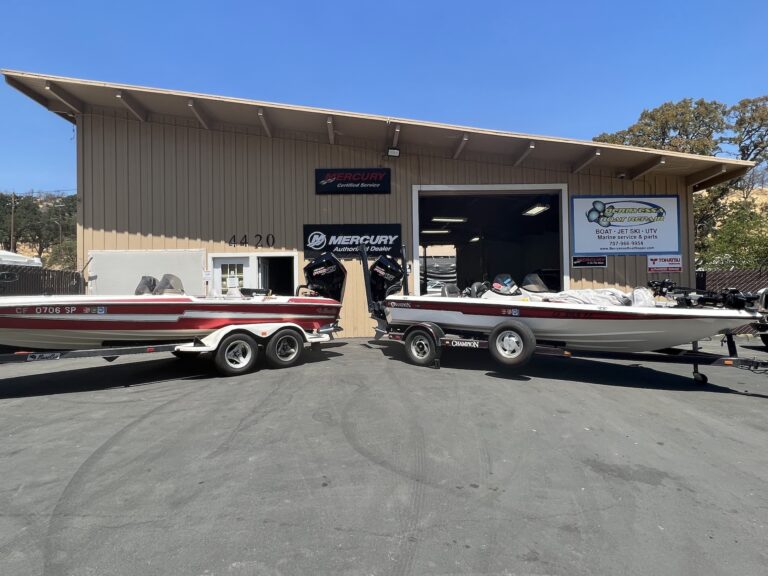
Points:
(386, 273)
(326, 275)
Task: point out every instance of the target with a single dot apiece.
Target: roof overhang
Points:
(69, 97)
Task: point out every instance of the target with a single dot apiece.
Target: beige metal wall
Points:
(168, 183)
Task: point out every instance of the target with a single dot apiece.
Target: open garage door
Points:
(480, 234)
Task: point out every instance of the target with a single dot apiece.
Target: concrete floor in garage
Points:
(358, 463)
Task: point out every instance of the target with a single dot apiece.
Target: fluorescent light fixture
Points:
(475, 239)
(435, 231)
(393, 152)
(537, 208)
(457, 219)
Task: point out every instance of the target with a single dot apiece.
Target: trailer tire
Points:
(420, 347)
(284, 348)
(236, 354)
(512, 343)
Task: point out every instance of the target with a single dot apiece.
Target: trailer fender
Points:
(434, 330)
(260, 331)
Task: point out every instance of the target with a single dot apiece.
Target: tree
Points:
(41, 221)
(710, 128)
(25, 216)
(740, 239)
(685, 126)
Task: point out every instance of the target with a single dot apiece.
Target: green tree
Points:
(40, 220)
(25, 216)
(710, 128)
(686, 126)
(740, 239)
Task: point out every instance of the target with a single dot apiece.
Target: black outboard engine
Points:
(326, 275)
(386, 273)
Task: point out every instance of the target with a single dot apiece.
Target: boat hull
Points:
(576, 327)
(81, 322)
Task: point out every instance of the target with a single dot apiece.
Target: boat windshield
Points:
(169, 284)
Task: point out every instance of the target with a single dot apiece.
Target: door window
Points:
(231, 271)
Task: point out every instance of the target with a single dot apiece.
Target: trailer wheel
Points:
(236, 354)
(284, 348)
(512, 343)
(420, 347)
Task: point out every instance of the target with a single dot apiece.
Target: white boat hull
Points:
(574, 326)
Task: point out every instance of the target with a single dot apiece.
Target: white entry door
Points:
(228, 269)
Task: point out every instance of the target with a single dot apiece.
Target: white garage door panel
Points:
(119, 271)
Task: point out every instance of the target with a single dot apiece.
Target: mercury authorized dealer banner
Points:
(344, 239)
(624, 225)
(352, 180)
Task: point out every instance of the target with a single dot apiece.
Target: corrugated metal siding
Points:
(170, 184)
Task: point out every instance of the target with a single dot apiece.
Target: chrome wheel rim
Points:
(509, 344)
(287, 348)
(420, 347)
(238, 354)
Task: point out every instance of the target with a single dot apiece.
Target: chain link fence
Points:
(32, 281)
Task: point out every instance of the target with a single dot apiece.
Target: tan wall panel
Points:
(172, 184)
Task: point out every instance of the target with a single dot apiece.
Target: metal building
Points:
(257, 186)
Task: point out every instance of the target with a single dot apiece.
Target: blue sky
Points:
(560, 68)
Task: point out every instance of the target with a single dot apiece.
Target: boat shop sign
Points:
(353, 181)
(625, 225)
(345, 239)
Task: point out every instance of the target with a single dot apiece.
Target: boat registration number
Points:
(47, 310)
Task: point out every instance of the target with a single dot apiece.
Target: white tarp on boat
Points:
(13, 259)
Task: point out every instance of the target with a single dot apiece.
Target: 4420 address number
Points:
(259, 240)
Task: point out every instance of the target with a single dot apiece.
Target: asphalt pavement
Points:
(357, 463)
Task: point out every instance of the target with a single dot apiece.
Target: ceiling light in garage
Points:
(537, 208)
(475, 239)
(457, 219)
(435, 231)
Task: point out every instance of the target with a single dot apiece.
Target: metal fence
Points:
(744, 280)
(32, 281)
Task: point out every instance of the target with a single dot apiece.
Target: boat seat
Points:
(450, 291)
(477, 289)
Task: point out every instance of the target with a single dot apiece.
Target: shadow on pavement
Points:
(581, 370)
(60, 380)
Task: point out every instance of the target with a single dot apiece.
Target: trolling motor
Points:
(732, 298)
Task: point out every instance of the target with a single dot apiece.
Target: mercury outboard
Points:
(384, 277)
(326, 276)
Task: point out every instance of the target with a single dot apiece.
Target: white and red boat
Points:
(513, 321)
(167, 315)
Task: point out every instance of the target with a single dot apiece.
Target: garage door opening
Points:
(474, 236)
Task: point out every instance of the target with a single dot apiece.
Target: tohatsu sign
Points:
(352, 181)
